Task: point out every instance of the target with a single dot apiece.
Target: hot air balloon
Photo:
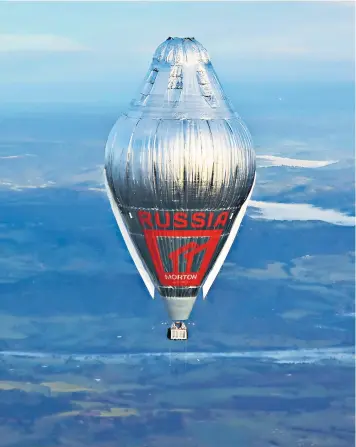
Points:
(179, 171)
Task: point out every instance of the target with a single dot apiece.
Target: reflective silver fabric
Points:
(180, 150)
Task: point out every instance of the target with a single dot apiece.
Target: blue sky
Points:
(76, 44)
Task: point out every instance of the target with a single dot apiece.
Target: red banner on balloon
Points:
(178, 268)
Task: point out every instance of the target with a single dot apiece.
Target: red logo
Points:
(176, 267)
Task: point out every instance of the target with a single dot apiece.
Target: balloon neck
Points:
(179, 308)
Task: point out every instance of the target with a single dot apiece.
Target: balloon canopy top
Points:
(181, 51)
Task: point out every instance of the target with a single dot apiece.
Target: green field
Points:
(226, 403)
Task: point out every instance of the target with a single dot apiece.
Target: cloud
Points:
(348, 314)
(274, 270)
(322, 270)
(293, 162)
(344, 355)
(7, 157)
(256, 209)
(38, 42)
(286, 211)
(19, 187)
(297, 211)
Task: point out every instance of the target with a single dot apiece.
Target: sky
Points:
(86, 46)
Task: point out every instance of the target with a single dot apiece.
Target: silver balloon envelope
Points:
(179, 171)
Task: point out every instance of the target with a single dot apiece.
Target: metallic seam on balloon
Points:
(225, 250)
(131, 248)
(233, 208)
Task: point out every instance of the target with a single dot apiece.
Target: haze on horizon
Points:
(57, 55)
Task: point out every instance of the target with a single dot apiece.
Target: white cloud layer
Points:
(38, 42)
(8, 157)
(298, 211)
(344, 355)
(309, 271)
(19, 187)
(256, 210)
(293, 162)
